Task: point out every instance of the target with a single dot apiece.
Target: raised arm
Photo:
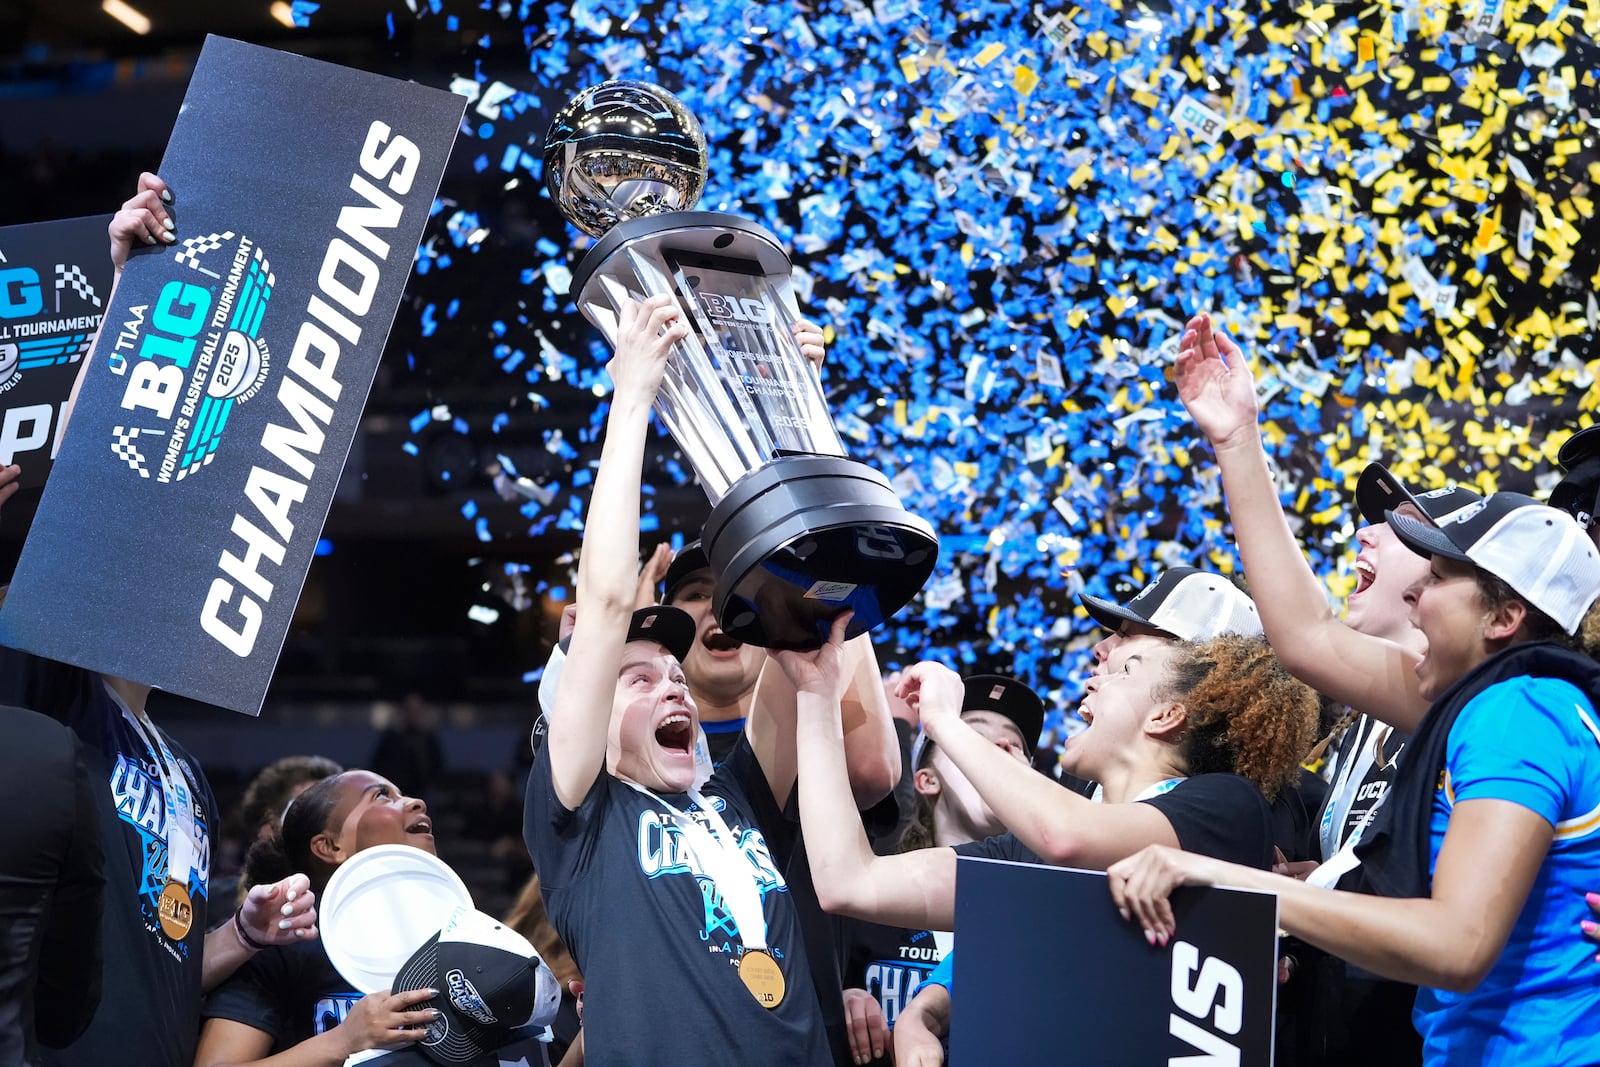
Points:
(915, 889)
(1064, 828)
(142, 220)
(1447, 941)
(1368, 673)
(606, 575)
(871, 748)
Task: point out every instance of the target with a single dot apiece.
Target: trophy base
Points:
(798, 541)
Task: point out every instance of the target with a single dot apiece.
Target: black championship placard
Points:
(54, 281)
(226, 386)
(1047, 972)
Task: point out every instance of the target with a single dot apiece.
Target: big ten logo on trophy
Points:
(799, 532)
(52, 291)
(189, 358)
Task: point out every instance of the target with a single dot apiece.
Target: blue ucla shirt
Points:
(1534, 742)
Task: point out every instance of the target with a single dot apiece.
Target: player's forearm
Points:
(871, 747)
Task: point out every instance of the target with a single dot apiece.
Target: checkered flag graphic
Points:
(192, 248)
(72, 276)
(122, 443)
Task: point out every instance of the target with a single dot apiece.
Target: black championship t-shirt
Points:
(289, 991)
(1217, 815)
(657, 948)
(150, 1001)
(889, 962)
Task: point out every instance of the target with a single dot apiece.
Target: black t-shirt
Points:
(51, 886)
(1217, 815)
(289, 991)
(1353, 796)
(150, 1003)
(655, 944)
(889, 962)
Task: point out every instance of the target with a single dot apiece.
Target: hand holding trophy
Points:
(798, 532)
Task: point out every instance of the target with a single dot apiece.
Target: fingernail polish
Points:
(1127, 916)
(1593, 899)
(287, 909)
(1589, 927)
(166, 194)
(283, 924)
(1150, 936)
(292, 893)
(1163, 937)
(169, 224)
(300, 933)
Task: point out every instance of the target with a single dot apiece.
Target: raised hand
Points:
(142, 219)
(809, 336)
(1215, 383)
(935, 691)
(819, 670)
(646, 332)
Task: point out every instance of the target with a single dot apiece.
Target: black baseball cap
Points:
(491, 985)
(1011, 698)
(1578, 491)
(671, 628)
(686, 562)
(1379, 492)
(1007, 696)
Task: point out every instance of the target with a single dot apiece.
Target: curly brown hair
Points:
(1246, 715)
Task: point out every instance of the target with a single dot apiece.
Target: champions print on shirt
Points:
(189, 358)
(893, 982)
(137, 795)
(664, 850)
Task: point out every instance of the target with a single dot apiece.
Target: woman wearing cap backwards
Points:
(1503, 775)
(669, 898)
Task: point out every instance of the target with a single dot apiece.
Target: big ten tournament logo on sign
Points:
(190, 357)
(47, 319)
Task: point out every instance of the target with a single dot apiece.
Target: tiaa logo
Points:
(199, 353)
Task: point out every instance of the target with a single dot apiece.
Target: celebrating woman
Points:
(288, 1006)
(1185, 738)
(1502, 776)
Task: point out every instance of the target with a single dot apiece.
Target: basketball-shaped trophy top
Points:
(622, 150)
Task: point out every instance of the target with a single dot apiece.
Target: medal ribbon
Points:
(724, 863)
(179, 826)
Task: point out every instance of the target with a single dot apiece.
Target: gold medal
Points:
(176, 911)
(762, 977)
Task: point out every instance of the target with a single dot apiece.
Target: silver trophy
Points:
(798, 532)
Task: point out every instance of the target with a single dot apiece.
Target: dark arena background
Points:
(1002, 216)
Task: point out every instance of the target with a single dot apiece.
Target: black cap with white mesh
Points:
(1184, 602)
(1542, 553)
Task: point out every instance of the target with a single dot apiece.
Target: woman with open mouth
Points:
(1501, 778)
(291, 997)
